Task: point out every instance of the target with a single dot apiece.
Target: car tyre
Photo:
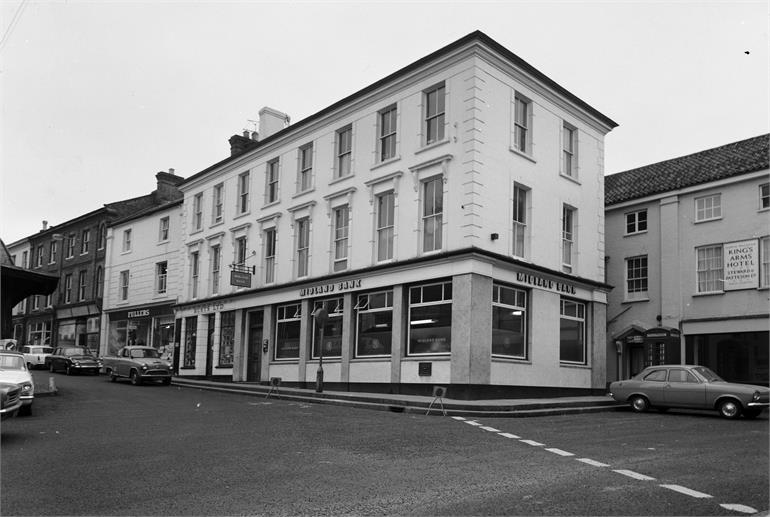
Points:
(29, 366)
(166, 382)
(25, 410)
(135, 379)
(639, 403)
(730, 408)
(752, 413)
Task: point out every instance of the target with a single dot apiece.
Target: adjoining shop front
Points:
(151, 325)
(481, 327)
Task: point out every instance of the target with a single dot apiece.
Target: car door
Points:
(653, 384)
(683, 389)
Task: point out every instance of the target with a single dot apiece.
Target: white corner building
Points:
(449, 218)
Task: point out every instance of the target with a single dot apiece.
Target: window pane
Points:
(430, 329)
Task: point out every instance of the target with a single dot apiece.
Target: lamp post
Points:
(320, 316)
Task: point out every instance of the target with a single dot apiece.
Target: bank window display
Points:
(430, 319)
(190, 338)
(227, 338)
(332, 335)
(509, 322)
(572, 332)
(287, 331)
(374, 324)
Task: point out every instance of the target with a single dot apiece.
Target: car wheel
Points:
(639, 403)
(752, 413)
(730, 409)
(135, 379)
(25, 410)
(29, 366)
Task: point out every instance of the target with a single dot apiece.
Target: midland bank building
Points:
(449, 218)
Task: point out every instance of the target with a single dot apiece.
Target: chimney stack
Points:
(168, 184)
(45, 225)
(271, 121)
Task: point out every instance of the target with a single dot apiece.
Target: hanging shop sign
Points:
(741, 265)
(240, 278)
(336, 287)
(545, 283)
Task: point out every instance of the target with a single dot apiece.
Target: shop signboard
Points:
(741, 265)
(240, 278)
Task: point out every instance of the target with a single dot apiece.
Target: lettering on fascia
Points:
(545, 283)
(345, 285)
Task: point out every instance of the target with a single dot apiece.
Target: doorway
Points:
(254, 362)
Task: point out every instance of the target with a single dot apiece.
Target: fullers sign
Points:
(741, 265)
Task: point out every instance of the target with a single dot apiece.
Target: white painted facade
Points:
(475, 159)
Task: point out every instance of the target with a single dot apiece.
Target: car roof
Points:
(11, 352)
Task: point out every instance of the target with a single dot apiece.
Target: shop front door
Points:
(253, 373)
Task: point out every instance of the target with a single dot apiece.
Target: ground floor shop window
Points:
(227, 338)
(190, 338)
(163, 336)
(572, 341)
(735, 356)
(374, 324)
(332, 338)
(40, 333)
(287, 331)
(430, 319)
(509, 322)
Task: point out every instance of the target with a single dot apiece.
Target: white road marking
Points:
(560, 452)
(687, 491)
(739, 508)
(532, 443)
(473, 422)
(509, 435)
(490, 429)
(458, 418)
(593, 463)
(635, 475)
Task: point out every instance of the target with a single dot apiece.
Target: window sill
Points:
(165, 241)
(342, 178)
(522, 154)
(429, 357)
(432, 145)
(710, 293)
(511, 360)
(243, 214)
(288, 360)
(303, 192)
(371, 359)
(635, 233)
(384, 163)
(575, 365)
(707, 220)
(570, 178)
(187, 368)
(223, 366)
(271, 203)
(217, 223)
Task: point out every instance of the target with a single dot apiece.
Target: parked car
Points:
(8, 344)
(691, 387)
(13, 370)
(139, 364)
(35, 355)
(73, 359)
(10, 400)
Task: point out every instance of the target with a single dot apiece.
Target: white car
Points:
(34, 355)
(13, 369)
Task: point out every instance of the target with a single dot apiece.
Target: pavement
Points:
(513, 408)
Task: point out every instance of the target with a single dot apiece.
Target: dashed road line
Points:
(509, 435)
(593, 463)
(458, 418)
(490, 429)
(739, 508)
(634, 475)
(473, 422)
(687, 491)
(532, 443)
(559, 452)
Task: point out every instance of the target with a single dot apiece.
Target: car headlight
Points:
(144, 367)
(26, 387)
(75, 363)
(755, 397)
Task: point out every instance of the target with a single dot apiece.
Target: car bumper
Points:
(9, 412)
(155, 374)
(758, 404)
(27, 400)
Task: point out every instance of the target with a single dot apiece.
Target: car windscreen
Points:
(144, 352)
(75, 351)
(11, 362)
(708, 374)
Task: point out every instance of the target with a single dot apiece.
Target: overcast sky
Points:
(99, 96)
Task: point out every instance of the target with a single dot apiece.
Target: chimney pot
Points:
(171, 170)
(246, 133)
(45, 225)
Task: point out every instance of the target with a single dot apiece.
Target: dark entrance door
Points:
(209, 346)
(255, 346)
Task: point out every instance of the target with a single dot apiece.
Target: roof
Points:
(473, 36)
(734, 159)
